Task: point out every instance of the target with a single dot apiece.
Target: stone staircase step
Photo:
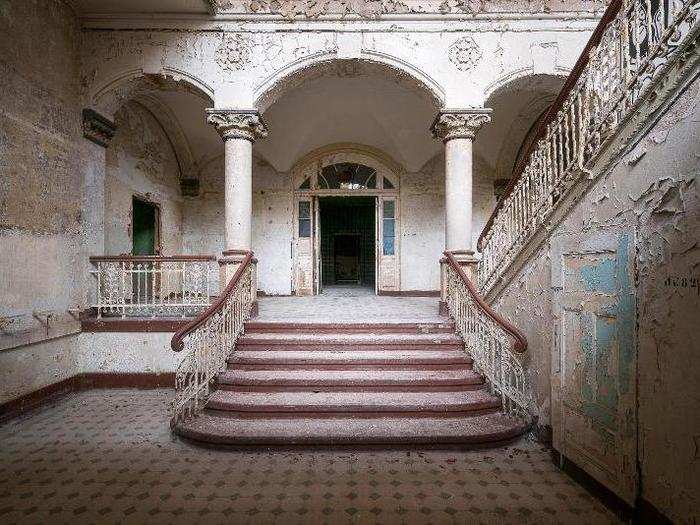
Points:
(348, 357)
(255, 327)
(468, 402)
(491, 429)
(356, 341)
(279, 376)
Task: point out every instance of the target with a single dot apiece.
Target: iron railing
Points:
(634, 43)
(152, 285)
(209, 340)
(496, 347)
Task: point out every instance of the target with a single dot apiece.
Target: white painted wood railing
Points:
(635, 42)
(152, 285)
(209, 339)
(496, 347)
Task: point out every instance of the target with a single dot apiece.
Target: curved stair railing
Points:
(636, 44)
(209, 339)
(496, 346)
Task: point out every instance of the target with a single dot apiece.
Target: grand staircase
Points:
(350, 384)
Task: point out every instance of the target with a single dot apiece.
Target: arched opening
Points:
(358, 101)
(517, 106)
(346, 235)
(329, 107)
(153, 161)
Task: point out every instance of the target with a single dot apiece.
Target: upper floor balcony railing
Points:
(154, 286)
(634, 44)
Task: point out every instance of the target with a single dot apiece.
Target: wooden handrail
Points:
(609, 15)
(152, 258)
(177, 342)
(520, 345)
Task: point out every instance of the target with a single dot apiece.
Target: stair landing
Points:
(362, 383)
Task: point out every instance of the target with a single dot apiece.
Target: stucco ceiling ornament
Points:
(459, 124)
(233, 52)
(232, 124)
(465, 53)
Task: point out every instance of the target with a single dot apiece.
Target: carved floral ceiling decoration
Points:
(363, 8)
(465, 53)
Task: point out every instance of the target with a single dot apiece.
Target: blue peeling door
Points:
(595, 361)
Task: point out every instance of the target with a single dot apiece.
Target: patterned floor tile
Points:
(108, 457)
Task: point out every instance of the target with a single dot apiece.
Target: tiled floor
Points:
(108, 457)
(349, 304)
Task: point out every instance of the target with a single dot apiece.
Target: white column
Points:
(238, 129)
(457, 129)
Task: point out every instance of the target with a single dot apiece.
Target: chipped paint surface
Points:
(644, 214)
(41, 159)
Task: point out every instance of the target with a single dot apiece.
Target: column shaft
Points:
(458, 194)
(238, 210)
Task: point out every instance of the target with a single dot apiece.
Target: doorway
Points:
(347, 242)
(144, 227)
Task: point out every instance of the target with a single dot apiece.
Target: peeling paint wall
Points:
(653, 195)
(40, 194)
(203, 222)
(141, 162)
(115, 352)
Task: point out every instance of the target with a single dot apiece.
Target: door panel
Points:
(388, 278)
(303, 246)
(594, 366)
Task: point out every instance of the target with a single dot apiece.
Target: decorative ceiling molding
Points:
(373, 9)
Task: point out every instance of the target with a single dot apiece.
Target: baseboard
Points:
(410, 293)
(643, 512)
(90, 381)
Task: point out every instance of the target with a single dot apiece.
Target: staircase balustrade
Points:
(153, 286)
(634, 44)
(496, 347)
(209, 340)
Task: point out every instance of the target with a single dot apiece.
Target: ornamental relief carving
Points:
(465, 53)
(233, 52)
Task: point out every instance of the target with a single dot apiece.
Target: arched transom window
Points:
(343, 171)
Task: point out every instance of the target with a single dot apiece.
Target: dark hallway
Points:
(348, 241)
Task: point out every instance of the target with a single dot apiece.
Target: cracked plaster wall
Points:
(653, 192)
(141, 162)
(41, 158)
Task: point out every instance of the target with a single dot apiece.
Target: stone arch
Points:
(107, 98)
(136, 86)
(305, 70)
(521, 98)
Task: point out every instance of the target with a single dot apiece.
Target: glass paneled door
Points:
(303, 246)
(388, 276)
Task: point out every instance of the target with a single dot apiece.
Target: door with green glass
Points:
(144, 234)
(144, 227)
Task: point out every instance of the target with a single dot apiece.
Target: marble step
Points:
(417, 403)
(361, 341)
(488, 429)
(276, 376)
(348, 357)
(254, 327)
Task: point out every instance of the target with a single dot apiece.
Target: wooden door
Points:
(595, 363)
(303, 246)
(387, 251)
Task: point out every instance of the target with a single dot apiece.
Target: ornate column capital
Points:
(237, 123)
(459, 123)
(96, 128)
